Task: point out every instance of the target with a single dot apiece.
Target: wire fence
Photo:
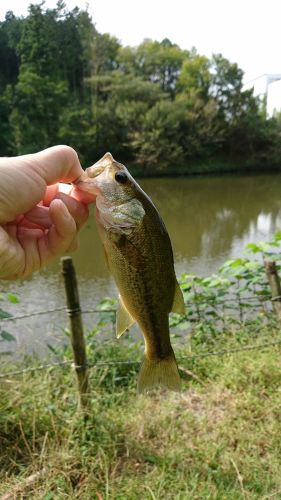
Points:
(198, 310)
(211, 302)
(97, 364)
(50, 311)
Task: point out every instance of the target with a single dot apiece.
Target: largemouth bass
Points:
(139, 254)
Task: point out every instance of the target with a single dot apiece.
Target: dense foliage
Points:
(155, 105)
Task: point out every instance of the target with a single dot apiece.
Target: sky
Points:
(244, 31)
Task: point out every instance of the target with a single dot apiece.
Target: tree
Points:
(158, 143)
(37, 106)
(10, 33)
(63, 81)
(38, 47)
(159, 62)
(6, 132)
(226, 87)
(104, 54)
(195, 76)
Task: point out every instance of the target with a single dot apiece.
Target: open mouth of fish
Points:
(87, 181)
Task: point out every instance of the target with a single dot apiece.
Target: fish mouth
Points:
(94, 171)
(87, 183)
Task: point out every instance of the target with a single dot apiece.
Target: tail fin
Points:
(163, 372)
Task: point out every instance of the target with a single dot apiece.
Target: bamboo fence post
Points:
(274, 283)
(76, 330)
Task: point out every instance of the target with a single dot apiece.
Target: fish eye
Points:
(121, 177)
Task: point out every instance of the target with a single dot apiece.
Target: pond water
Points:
(209, 219)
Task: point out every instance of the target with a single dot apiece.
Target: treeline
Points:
(156, 105)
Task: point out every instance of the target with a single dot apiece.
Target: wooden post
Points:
(76, 329)
(274, 283)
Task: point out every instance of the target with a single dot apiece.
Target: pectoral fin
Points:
(178, 304)
(123, 319)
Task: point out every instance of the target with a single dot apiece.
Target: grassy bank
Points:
(220, 438)
(201, 167)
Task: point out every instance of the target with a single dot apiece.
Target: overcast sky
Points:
(246, 32)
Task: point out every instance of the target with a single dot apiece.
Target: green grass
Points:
(220, 438)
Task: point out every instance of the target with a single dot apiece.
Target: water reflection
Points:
(205, 215)
(208, 218)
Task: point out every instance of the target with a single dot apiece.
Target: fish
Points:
(139, 254)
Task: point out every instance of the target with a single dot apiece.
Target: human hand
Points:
(40, 215)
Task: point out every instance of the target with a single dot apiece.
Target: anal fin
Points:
(178, 304)
(123, 318)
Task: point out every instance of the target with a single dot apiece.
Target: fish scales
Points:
(135, 261)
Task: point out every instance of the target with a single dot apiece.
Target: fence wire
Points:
(223, 352)
(249, 302)
(211, 303)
